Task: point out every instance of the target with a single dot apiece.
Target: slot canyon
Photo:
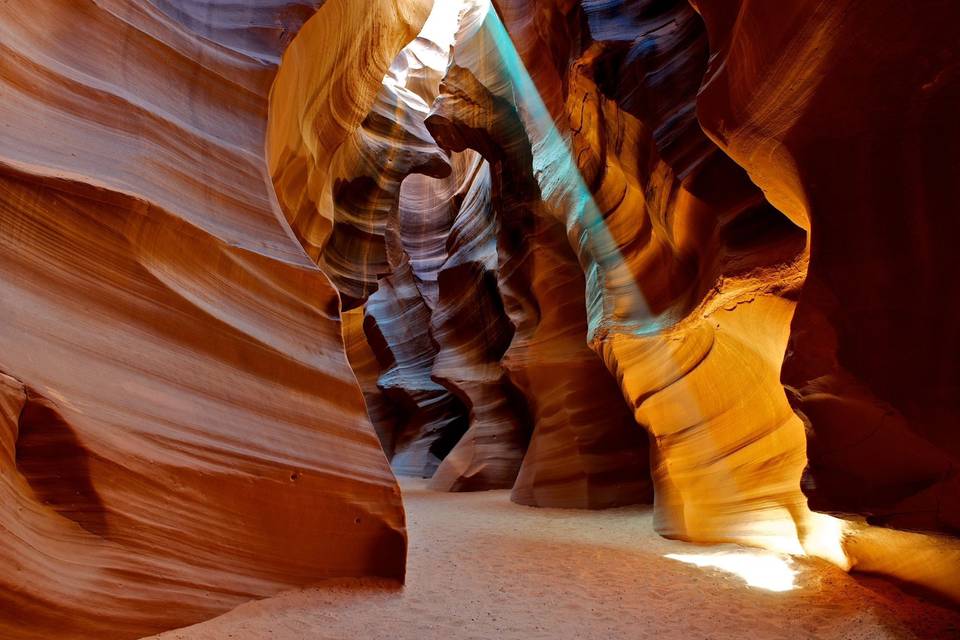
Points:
(519, 319)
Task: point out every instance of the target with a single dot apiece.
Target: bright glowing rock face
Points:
(473, 300)
(692, 276)
(585, 450)
(690, 273)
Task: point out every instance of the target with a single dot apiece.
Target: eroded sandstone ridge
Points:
(587, 115)
(181, 431)
(472, 298)
(690, 274)
(693, 272)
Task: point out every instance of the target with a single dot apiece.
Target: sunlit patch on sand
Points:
(757, 568)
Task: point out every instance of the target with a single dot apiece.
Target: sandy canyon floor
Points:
(481, 567)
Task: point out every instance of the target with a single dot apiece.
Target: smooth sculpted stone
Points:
(689, 274)
(181, 431)
(349, 186)
(327, 106)
(383, 414)
(473, 330)
(694, 297)
(848, 138)
(430, 418)
(585, 451)
(693, 273)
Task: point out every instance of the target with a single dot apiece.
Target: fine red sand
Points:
(483, 567)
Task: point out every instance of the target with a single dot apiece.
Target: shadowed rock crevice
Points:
(872, 369)
(55, 464)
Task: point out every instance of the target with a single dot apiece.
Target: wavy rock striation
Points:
(692, 276)
(688, 308)
(846, 138)
(385, 240)
(431, 419)
(854, 155)
(544, 273)
(176, 401)
(474, 332)
(585, 450)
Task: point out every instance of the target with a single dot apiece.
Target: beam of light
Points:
(824, 536)
(758, 569)
(616, 303)
(614, 298)
(609, 279)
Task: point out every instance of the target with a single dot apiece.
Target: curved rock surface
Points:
(847, 138)
(596, 251)
(176, 399)
(366, 366)
(353, 198)
(688, 283)
(692, 277)
(474, 332)
(431, 419)
(585, 450)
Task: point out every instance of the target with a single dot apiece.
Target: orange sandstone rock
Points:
(843, 114)
(181, 431)
(585, 450)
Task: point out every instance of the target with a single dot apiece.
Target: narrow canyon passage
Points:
(479, 319)
(482, 567)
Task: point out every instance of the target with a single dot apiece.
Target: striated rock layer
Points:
(841, 113)
(847, 137)
(689, 273)
(544, 273)
(352, 196)
(585, 450)
(692, 277)
(431, 419)
(474, 332)
(180, 428)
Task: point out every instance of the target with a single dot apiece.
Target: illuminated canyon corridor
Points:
(413, 319)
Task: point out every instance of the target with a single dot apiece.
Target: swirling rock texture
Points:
(382, 248)
(692, 276)
(474, 332)
(181, 430)
(585, 450)
(431, 418)
(695, 311)
(855, 155)
(687, 280)
(366, 366)
(390, 247)
(540, 231)
(369, 170)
